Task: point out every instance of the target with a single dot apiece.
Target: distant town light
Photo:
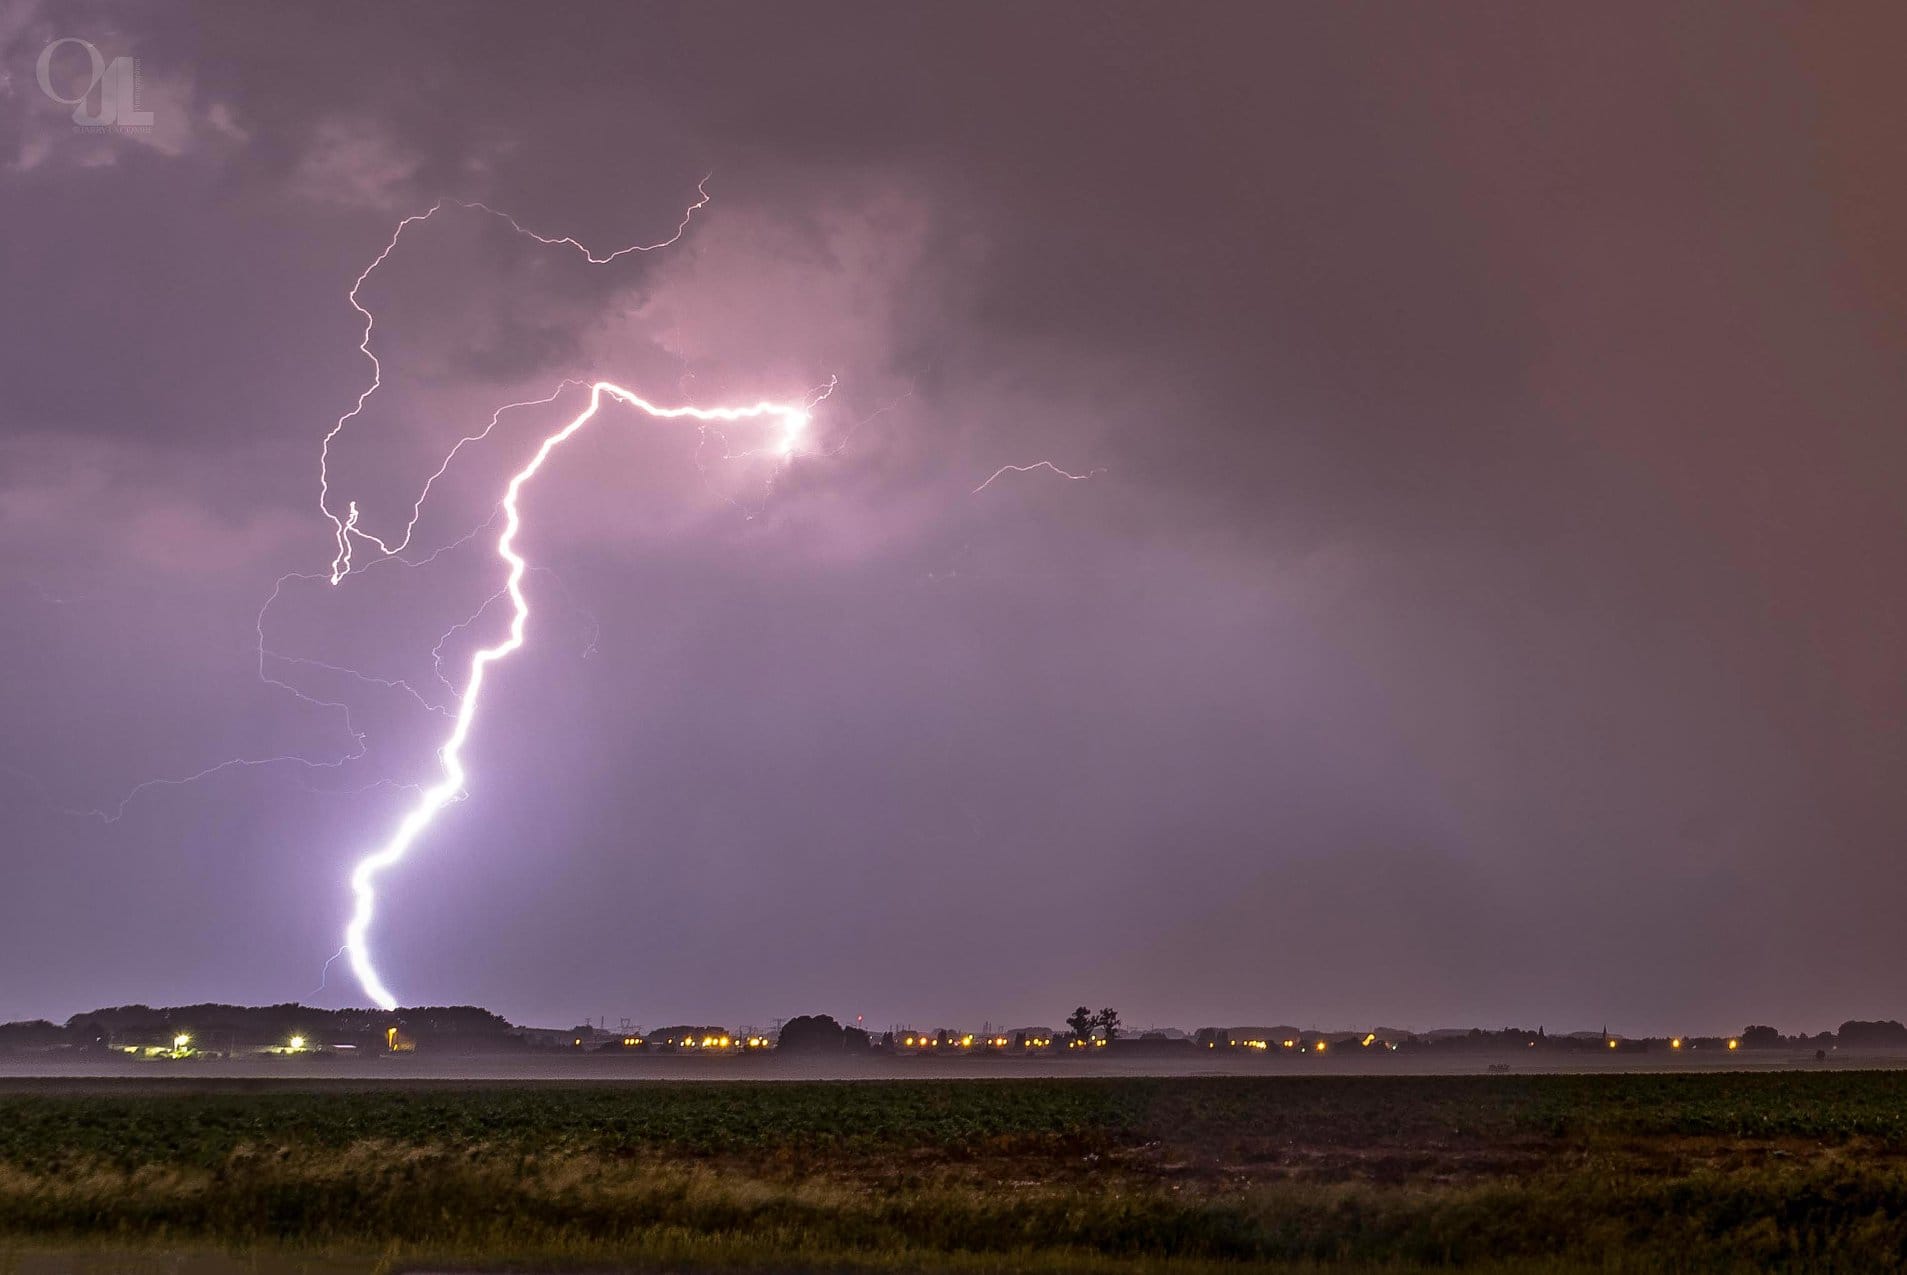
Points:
(297, 1042)
(181, 1041)
(1733, 1043)
(1675, 1042)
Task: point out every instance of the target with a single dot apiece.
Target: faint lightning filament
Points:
(1027, 469)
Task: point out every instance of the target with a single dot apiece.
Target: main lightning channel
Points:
(793, 417)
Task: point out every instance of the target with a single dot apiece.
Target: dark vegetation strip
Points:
(189, 1128)
(1844, 1218)
(1635, 1172)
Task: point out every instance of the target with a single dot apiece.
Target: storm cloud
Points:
(1484, 605)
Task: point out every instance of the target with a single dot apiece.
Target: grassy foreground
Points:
(1801, 1171)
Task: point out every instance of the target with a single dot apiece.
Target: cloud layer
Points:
(1482, 607)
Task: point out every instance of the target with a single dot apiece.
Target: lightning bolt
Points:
(349, 536)
(324, 976)
(793, 417)
(348, 533)
(1027, 469)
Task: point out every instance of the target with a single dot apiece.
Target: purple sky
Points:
(1486, 606)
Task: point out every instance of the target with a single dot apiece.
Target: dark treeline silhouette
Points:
(217, 1028)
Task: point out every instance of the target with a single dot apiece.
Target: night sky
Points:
(1485, 605)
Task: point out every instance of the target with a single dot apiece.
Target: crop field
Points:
(1715, 1171)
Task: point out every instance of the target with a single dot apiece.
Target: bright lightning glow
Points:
(793, 418)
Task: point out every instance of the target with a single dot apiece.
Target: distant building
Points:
(692, 1038)
(1262, 1039)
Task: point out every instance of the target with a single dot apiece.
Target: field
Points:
(1715, 1171)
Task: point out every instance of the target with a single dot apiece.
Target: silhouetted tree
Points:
(1082, 1021)
(1886, 1034)
(1108, 1022)
(1760, 1037)
(811, 1033)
